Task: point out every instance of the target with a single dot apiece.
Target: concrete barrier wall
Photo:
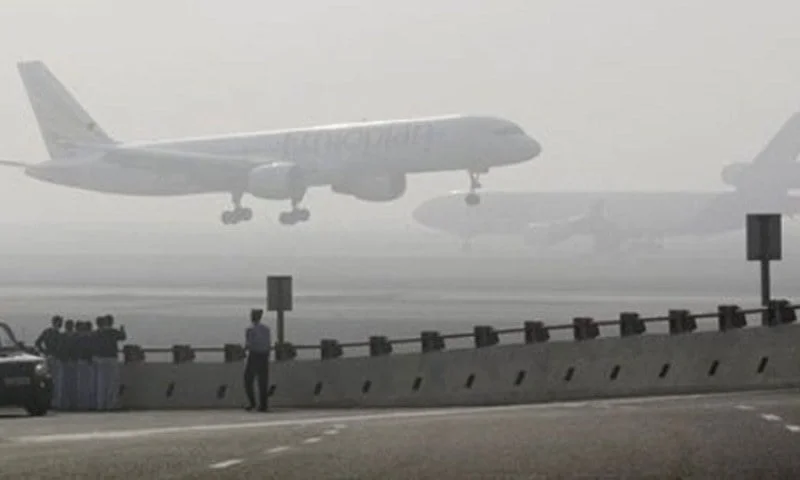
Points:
(751, 358)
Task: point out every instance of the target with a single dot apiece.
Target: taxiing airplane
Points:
(367, 160)
(637, 219)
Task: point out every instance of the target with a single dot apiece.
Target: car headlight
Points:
(41, 369)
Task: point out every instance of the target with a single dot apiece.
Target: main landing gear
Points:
(472, 197)
(295, 215)
(238, 214)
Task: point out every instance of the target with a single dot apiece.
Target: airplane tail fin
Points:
(784, 147)
(65, 126)
(775, 170)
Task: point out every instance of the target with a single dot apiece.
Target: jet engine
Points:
(382, 188)
(276, 181)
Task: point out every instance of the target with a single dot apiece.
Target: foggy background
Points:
(622, 95)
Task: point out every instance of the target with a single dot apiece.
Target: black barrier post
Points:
(730, 317)
(330, 348)
(485, 336)
(681, 321)
(536, 332)
(379, 346)
(285, 351)
(182, 353)
(233, 352)
(584, 328)
(630, 324)
(432, 341)
(133, 354)
(779, 312)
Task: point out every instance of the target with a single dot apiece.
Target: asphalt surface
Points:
(754, 435)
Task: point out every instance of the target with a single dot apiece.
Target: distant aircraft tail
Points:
(775, 170)
(784, 147)
(66, 128)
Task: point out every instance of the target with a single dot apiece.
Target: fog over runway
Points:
(395, 286)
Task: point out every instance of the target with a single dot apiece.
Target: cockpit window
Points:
(508, 130)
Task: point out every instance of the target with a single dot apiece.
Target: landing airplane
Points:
(636, 219)
(367, 160)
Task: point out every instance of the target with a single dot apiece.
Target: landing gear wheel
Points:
(295, 216)
(287, 218)
(227, 217)
(232, 217)
(472, 199)
(246, 214)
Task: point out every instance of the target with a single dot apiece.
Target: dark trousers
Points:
(257, 366)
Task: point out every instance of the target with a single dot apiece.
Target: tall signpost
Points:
(764, 246)
(279, 299)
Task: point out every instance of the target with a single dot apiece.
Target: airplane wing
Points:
(212, 171)
(178, 162)
(11, 163)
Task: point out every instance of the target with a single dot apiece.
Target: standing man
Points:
(49, 343)
(107, 362)
(69, 384)
(258, 341)
(85, 340)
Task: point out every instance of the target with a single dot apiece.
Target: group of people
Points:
(83, 360)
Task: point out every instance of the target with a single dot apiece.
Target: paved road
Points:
(721, 436)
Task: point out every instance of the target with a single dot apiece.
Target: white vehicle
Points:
(368, 160)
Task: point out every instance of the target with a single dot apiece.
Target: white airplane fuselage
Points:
(328, 153)
(367, 160)
(631, 215)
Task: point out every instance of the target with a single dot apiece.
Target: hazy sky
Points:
(621, 93)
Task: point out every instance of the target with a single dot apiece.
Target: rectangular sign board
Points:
(279, 293)
(763, 237)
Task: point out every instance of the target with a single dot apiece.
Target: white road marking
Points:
(280, 449)
(746, 408)
(332, 431)
(312, 440)
(340, 426)
(793, 428)
(770, 417)
(339, 420)
(226, 464)
(150, 432)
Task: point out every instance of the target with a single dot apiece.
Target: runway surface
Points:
(754, 435)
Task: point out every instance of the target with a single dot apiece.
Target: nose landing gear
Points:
(472, 197)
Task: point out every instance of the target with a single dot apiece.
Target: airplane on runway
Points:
(367, 160)
(616, 220)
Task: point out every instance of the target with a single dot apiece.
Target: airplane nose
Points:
(531, 147)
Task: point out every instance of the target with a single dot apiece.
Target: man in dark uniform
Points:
(107, 362)
(85, 340)
(49, 344)
(257, 343)
(69, 352)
